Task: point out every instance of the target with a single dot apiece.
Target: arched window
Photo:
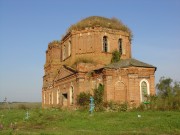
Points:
(144, 90)
(120, 45)
(105, 44)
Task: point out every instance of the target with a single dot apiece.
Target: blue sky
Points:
(27, 26)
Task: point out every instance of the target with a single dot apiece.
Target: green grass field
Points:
(64, 122)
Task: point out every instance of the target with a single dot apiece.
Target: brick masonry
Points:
(65, 78)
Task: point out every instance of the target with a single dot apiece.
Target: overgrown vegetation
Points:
(115, 56)
(98, 97)
(161, 116)
(116, 107)
(96, 21)
(82, 60)
(83, 99)
(168, 97)
(54, 42)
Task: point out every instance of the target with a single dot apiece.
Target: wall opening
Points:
(120, 46)
(64, 99)
(105, 44)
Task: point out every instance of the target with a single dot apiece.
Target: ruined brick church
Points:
(81, 60)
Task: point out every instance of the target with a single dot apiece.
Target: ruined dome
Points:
(97, 21)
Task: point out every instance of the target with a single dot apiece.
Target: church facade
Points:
(81, 60)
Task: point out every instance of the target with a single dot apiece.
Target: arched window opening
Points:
(120, 46)
(105, 44)
(144, 91)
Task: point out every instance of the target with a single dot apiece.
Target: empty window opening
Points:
(105, 44)
(120, 46)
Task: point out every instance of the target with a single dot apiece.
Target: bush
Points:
(83, 99)
(115, 106)
(123, 107)
(115, 56)
(98, 97)
(23, 107)
(159, 103)
(98, 94)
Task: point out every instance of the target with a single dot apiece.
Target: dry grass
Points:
(82, 60)
(95, 21)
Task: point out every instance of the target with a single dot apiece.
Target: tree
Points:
(98, 94)
(166, 87)
(98, 97)
(177, 88)
(168, 94)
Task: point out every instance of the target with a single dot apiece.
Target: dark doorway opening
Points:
(64, 99)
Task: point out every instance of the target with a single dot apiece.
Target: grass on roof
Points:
(95, 21)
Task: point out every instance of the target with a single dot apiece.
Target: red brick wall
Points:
(120, 84)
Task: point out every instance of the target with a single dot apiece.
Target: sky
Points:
(27, 26)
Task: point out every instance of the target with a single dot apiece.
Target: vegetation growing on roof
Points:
(54, 42)
(95, 21)
(82, 60)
